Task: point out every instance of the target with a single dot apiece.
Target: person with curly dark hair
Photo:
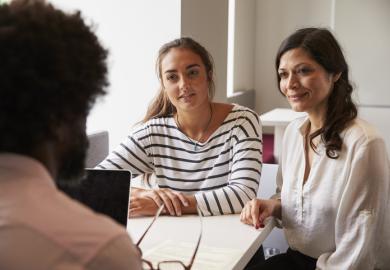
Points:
(333, 183)
(52, 69)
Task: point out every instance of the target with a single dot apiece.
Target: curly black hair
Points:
(52, 69)
(323, 47)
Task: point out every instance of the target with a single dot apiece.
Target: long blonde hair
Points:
(161, 105)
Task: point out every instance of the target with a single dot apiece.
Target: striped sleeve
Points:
(131, 154)
(245, 171)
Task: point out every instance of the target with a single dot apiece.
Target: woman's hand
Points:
(142, 206)
(174, 202)
(256, 211)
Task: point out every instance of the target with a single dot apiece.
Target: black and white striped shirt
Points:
(223, 172)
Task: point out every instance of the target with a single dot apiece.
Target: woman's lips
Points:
(187, 97)
(297, 97)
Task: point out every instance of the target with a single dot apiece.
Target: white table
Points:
(222, 236)
(279, 119)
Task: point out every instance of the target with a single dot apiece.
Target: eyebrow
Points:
(188, 67)
(297, 65)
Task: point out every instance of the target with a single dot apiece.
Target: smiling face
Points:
(304, 82)
(184, 79)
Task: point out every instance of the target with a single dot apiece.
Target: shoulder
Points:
(71, 224)
(80, 219)
(165, 120)
(239, 109)
(156, 121)
(83, 225)
(243, 113)
(157, 124)
(361, 132)
(83, 218)
(296, 125)
(118, 254)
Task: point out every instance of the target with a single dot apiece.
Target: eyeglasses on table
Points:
(169, 264)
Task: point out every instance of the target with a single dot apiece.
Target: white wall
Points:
(275, 20)
(362, 27)
(207, 22)
(244, 45)
(133, 31)
(365, 36)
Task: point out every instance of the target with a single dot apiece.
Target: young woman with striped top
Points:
(202, 153)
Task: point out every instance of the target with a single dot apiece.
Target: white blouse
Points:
(338, 215)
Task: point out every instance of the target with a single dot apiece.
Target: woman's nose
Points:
(184, 83)
(292, 82)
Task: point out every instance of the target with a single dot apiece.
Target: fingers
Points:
(142, 206)
(135, 212)
(170, 202)
(255, 212)
(262, 218)
(173, 201)
(265, 210)
(183, 199)
(154, 196)
(246, 216)
(255, 209)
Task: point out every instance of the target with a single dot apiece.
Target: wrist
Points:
(191, 208)
(136, 191)
(277, 211)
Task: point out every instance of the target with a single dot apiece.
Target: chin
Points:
(298, 107)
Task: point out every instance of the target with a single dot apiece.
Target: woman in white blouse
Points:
(333, 181)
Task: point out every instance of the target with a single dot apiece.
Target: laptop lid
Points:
(104, 191)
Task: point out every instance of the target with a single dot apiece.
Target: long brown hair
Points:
(161, 105)
(322, 46)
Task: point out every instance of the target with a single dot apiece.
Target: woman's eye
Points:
(304, 70)
(193, 72)
(171, 77)
(283, 75)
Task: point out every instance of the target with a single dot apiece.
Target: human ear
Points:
(336, 77)
(210, 75)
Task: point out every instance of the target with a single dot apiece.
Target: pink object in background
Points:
(268, 149)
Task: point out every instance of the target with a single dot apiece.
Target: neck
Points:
(44, 154)
(317, 119)
(195, 124)
(315, 124)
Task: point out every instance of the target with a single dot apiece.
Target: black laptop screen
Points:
(105, 191)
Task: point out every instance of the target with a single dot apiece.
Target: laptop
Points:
(104, 191)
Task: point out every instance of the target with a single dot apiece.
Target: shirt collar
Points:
(303, 126)
(303, 129)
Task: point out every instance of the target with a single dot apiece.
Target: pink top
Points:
(42, 228)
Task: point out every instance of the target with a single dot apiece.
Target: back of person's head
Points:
(161, 106)
(323, 48)
(51, 71)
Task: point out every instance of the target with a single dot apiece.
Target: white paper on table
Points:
(211, 258)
